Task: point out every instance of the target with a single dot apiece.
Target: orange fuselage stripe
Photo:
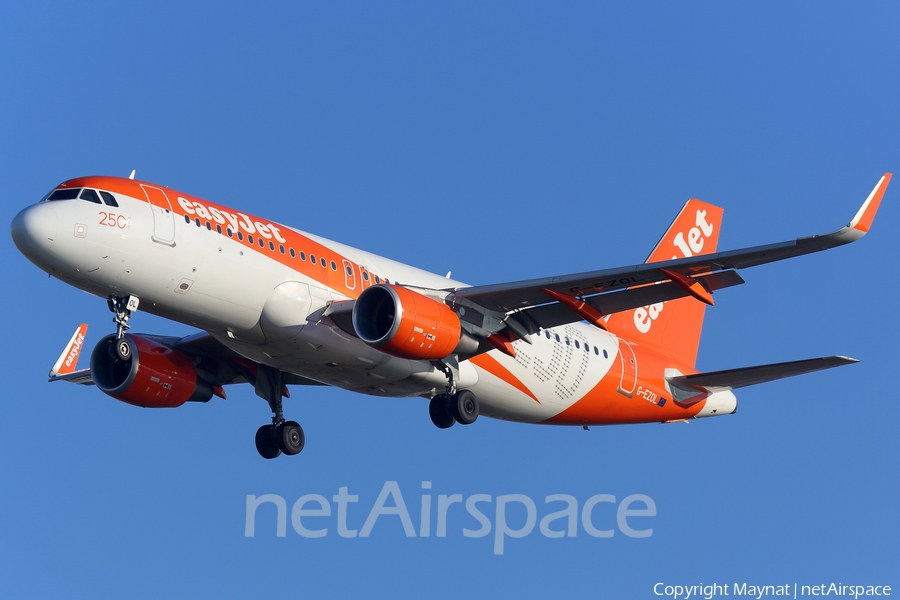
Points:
(247, 225)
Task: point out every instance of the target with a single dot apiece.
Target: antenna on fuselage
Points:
(133, 171)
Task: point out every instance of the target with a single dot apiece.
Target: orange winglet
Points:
(863, 219)
(689, 285)
(68, 360)
(580, 307)
(502, 344)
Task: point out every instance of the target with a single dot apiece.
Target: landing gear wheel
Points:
(464, 407)
(290, 437)
(265, 442)
(123, 349)
(439, 411)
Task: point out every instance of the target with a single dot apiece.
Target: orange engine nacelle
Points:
(404, 323)
(150, 374)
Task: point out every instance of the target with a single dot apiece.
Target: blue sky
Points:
(501, 142)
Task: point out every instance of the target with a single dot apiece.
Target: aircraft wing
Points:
(593, 287)
(216, 364)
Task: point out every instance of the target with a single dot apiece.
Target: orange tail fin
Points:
(673, 328)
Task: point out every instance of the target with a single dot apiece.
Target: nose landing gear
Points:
(122, 308)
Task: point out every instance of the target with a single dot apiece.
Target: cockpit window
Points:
(90, 196)
(66, 194)
(109, 199)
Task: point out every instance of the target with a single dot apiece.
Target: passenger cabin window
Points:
(293, 254)
(64, 195)
(90, 196)
(109, 199)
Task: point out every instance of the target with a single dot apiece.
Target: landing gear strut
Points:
(281, 436)
(453, 406)
(122, 308)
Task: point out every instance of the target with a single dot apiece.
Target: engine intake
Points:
(151, 375)
(404, 323)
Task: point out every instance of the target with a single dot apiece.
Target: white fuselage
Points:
(269, 302)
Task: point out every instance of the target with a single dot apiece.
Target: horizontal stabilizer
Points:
(717, 381)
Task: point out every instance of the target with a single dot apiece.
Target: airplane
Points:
(276, 306)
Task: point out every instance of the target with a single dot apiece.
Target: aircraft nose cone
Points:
(34, 230)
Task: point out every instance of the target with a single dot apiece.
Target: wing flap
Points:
(553, 315)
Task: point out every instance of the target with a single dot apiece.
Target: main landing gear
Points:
(447, 409)
(453, 406)
(281, 436)
(285, 437)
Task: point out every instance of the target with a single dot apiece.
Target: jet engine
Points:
(407, 324)
(144, 373)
